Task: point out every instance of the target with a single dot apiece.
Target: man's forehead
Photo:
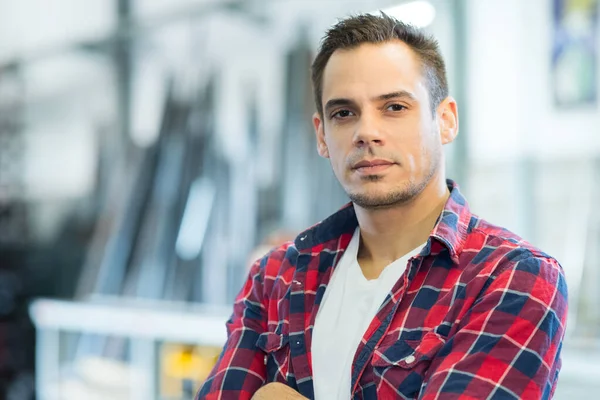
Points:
(373, 70)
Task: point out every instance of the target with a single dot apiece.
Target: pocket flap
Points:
(408, 353)
(270, 342)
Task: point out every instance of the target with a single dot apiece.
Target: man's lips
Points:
(372, 163)
(372, 167)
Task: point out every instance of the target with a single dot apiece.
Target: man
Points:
(403, 293)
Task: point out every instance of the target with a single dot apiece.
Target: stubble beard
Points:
(396, 196)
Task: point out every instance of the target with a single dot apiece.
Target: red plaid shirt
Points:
(479, 313)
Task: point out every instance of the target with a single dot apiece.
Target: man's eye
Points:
(396, 107)
(342, 114)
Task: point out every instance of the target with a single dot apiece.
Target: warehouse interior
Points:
(150, 150)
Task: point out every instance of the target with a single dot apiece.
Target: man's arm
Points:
(240, 370)
(277, 391)
(508, 345)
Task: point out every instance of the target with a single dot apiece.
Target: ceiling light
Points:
(417, 13)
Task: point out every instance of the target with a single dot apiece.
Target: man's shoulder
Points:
(278, 260)
(504, 249)
(494, 258)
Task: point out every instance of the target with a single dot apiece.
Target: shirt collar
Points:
(450, 230)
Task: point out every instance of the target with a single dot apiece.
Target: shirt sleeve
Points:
(508, 345)
(240, 370)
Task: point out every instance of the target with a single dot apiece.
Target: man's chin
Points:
(378, 202)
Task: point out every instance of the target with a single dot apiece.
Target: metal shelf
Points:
(146, 322)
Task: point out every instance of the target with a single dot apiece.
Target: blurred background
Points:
(150, 149)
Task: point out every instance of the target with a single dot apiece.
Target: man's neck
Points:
(388, 234)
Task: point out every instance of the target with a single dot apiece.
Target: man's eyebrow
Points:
(338, 102)
(396, 95)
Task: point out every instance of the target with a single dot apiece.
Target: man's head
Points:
(383, 111)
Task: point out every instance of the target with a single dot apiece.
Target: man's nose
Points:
(368, 132)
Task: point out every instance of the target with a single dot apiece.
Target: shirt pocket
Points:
(399, 366)
(277, 355)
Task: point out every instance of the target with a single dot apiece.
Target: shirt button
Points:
(410, 359)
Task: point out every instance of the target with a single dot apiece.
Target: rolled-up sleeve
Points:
(508, 345)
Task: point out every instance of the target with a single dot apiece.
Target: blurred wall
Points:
(512, 115)
(534, 163)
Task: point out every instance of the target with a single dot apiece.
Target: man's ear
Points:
(448, 120)
(320, 134)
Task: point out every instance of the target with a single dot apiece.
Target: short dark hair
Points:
(367, 28)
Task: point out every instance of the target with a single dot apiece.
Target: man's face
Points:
(377, 127)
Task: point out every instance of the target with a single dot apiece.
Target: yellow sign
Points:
(182, 366)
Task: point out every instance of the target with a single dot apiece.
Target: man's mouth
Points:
(372, 166)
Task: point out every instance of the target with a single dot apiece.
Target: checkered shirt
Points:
(478, 314)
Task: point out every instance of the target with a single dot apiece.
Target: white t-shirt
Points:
(348, 306)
